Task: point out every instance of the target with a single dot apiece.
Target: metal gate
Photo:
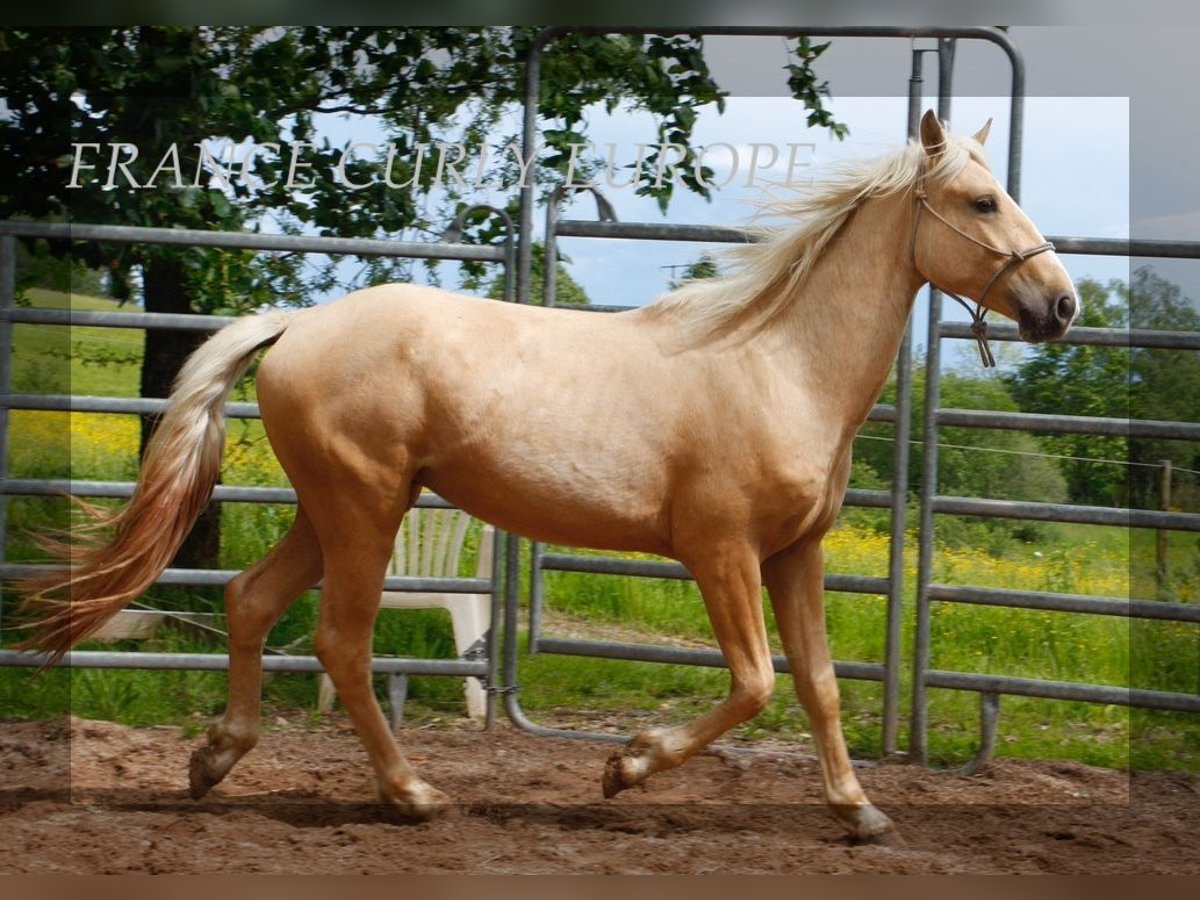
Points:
(505, 581)
(889, 672)
(482, 665)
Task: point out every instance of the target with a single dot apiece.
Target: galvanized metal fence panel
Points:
(889, 671)
(930, 503)
(483, 665)
(506, 578)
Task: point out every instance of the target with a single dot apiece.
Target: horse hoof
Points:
(435, 806)
(887, 838)
(867, 825)
(200, 775)
(613, 781)
(420, 804)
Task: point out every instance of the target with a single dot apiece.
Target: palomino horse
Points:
(713, 426)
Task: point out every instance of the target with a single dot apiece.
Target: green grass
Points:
(590, 693)
(104, 362)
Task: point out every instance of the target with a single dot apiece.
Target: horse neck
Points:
(843, 328)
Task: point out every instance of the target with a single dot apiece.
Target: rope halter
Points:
(1012, 259)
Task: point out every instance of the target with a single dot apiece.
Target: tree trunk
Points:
(166, 351)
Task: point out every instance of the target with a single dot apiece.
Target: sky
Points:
(1107, 151)
(1060, 195)
(1109, 146)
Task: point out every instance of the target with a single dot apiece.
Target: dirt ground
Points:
(94, 797)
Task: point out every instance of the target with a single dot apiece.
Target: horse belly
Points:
(576, 472)
(556, 497)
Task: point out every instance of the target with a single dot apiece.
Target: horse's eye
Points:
(986, 204)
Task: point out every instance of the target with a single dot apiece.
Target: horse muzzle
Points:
(1048, 319)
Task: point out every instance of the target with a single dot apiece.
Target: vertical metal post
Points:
(918, 748)
(550, 250)
(929, 467)
(1162, 568)
(1016, 122)
(945, 76)
(902, 431)
(8, 291)
(916, 82)
(510, 553)
(533, 77)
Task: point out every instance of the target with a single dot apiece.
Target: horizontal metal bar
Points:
(870, 498)
(655, 231)
(219, 662)
(1062, 690)
(855, 584)
(612, 565)
(1075, 603)
(131, 405)
(221, 577)
(599, 308)
(236, 240)
(967, 32)
(117, 490)
(1042, 423)
(1135, 247)
(882, 412)
(1083, 336)
(1063, 512)
(105, 319)
(664, 231)
(686, 656)
(645, 568)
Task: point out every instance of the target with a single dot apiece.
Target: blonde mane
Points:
(769, 273)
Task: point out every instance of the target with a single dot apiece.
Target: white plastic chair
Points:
(430, 544)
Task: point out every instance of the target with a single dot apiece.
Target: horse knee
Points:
(235, 595)
(325, 649)
(339, 661)
(247, 625)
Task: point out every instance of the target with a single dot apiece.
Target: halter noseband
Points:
(1013, 258)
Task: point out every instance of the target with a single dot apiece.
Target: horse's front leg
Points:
(730, 583)
(795, 580)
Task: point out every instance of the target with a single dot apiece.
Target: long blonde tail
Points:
(179, 470)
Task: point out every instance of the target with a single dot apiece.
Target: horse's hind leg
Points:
(795, 580)
(356, 553)
(254, 601)
(730, 583)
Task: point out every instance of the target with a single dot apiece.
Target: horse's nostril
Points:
(1064, 309)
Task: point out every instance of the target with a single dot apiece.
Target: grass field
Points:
(1077, 559)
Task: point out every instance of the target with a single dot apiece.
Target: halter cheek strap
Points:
(1013, 258)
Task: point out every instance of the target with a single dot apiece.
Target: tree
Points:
(1163, 384)
(567, 291)
(1120, 382)
(702, 268)
(98, 90)
(1086, 381)
(972, 462)
(37, 267)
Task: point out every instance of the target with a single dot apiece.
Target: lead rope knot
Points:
(978, 330)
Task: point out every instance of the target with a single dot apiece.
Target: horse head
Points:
(970, 238)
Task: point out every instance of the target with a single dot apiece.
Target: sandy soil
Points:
(95, 797)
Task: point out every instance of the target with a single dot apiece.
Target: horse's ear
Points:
(933, 137)
(982, 133)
